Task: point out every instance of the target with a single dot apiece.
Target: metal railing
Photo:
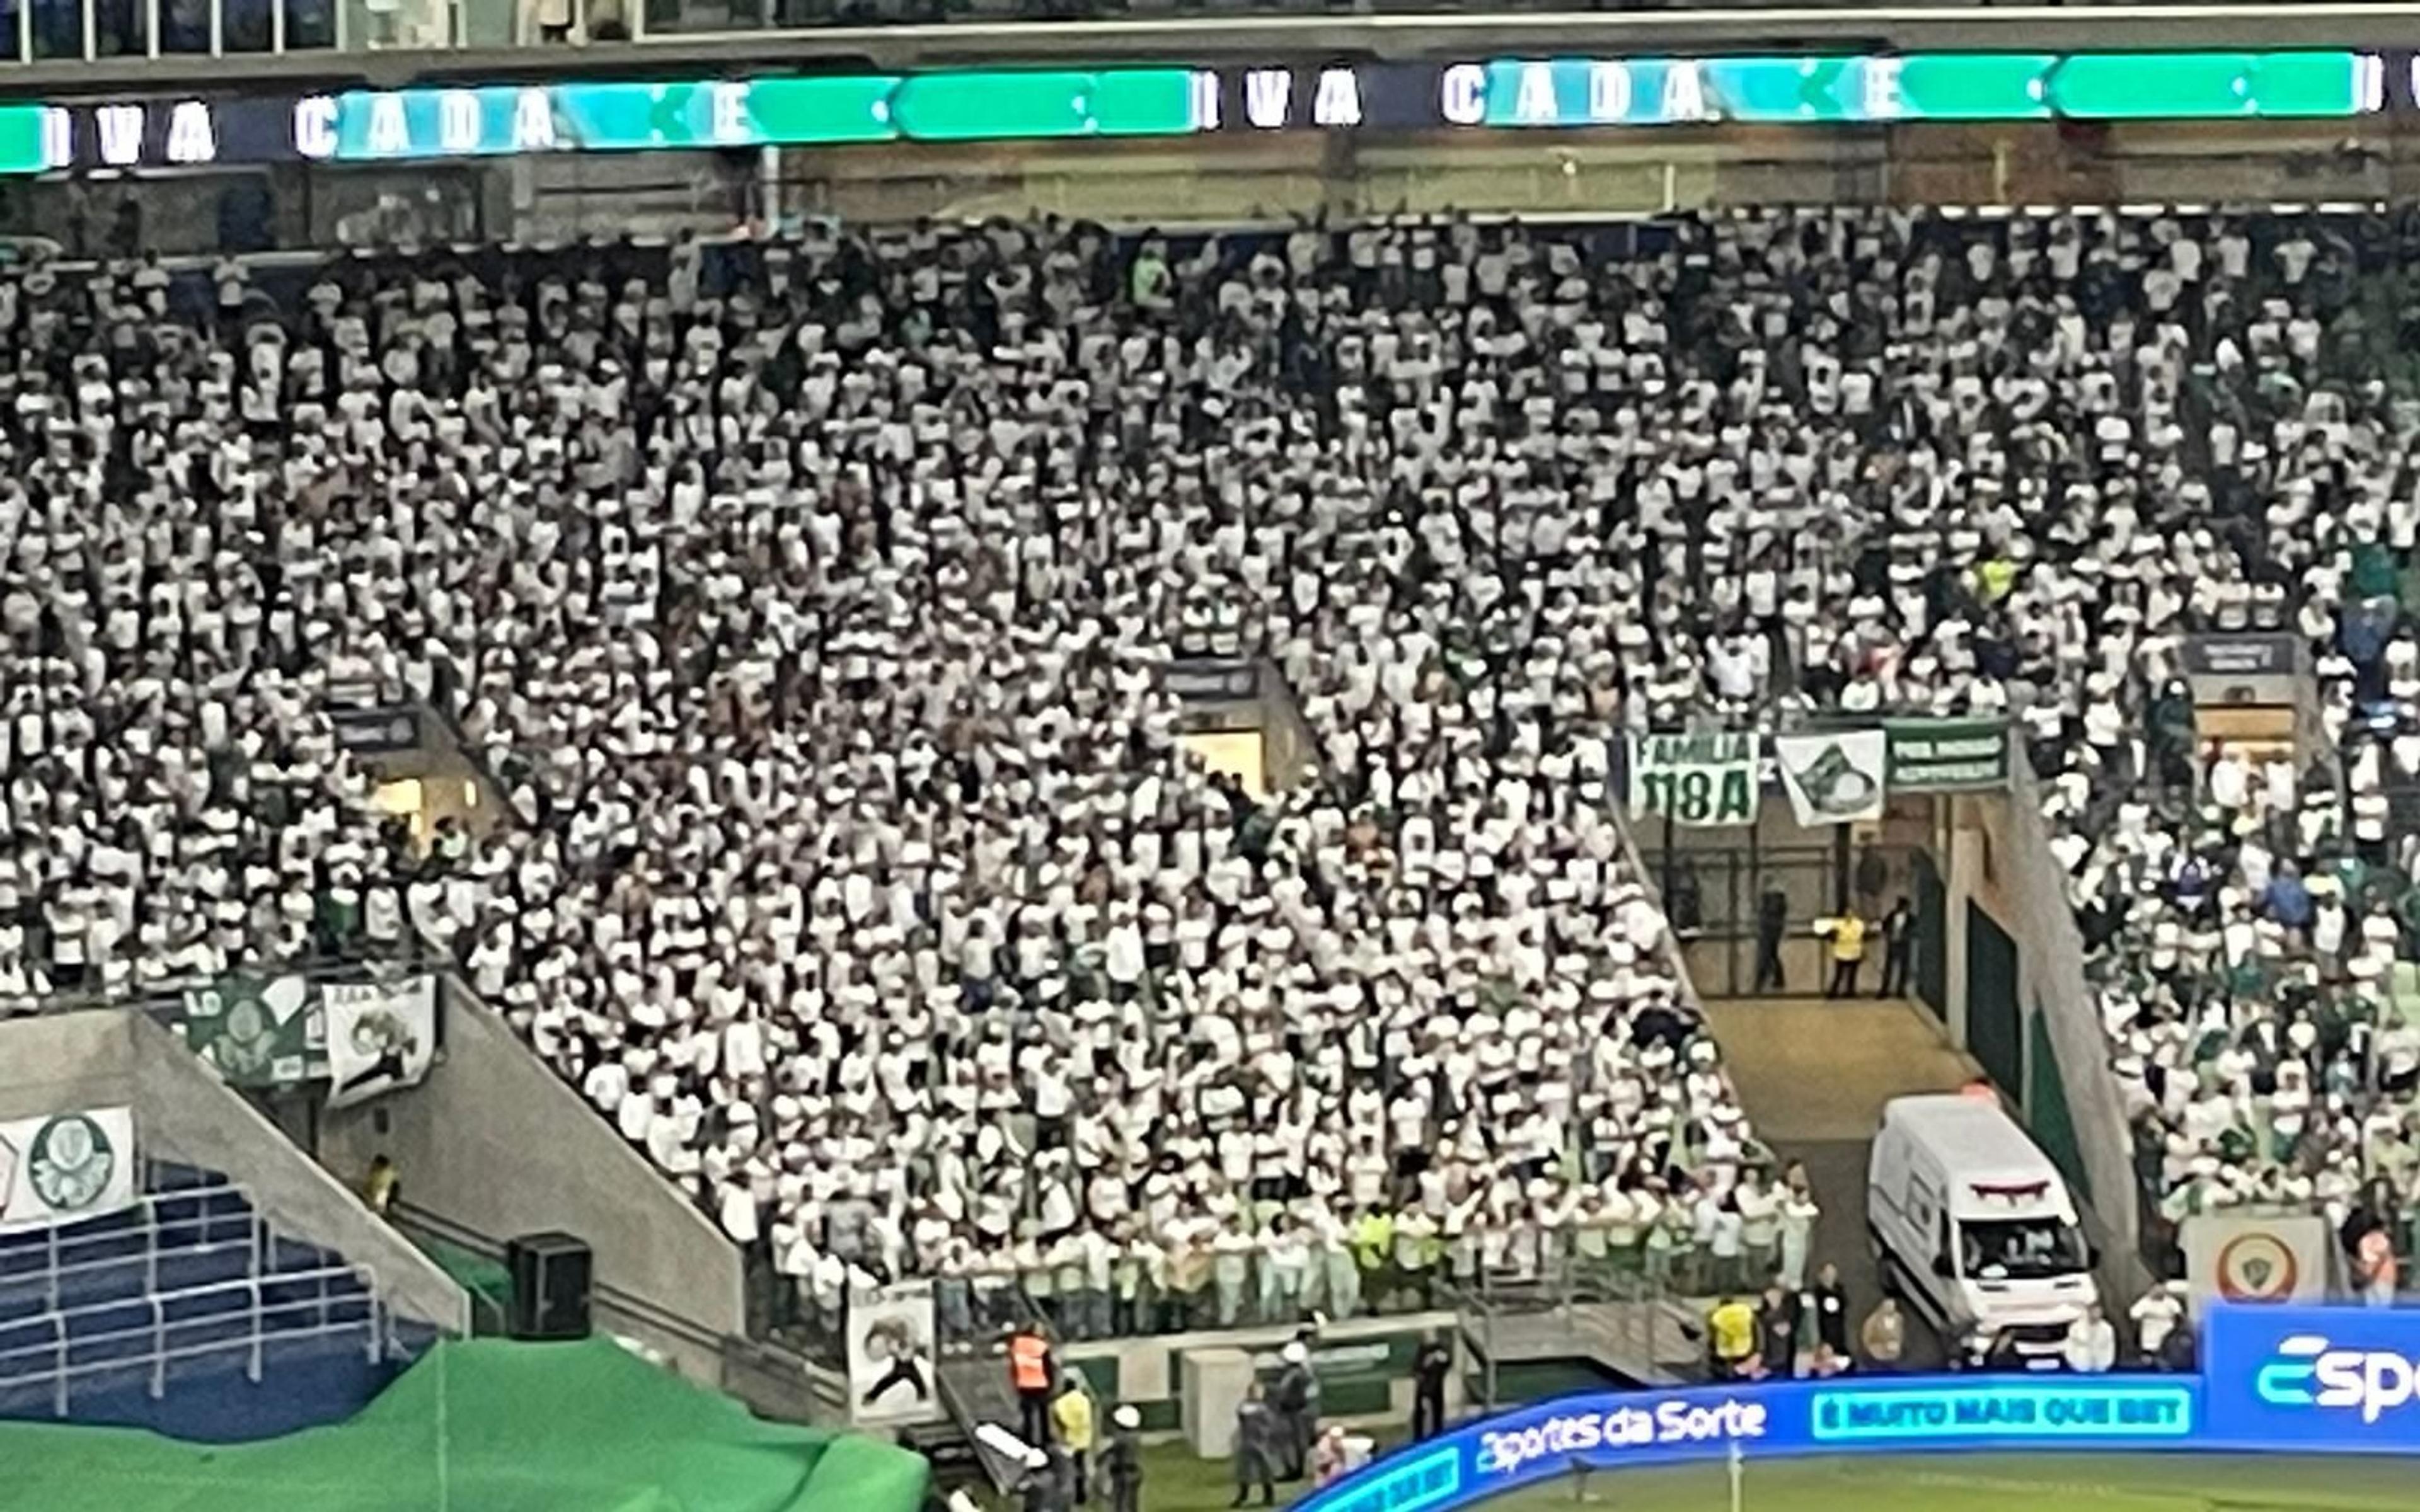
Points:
(1632, 1321)
(247, 1329)
(62, 1251)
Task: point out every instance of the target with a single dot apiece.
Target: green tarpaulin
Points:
(483, 1427)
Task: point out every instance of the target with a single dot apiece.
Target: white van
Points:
(1973, 1227)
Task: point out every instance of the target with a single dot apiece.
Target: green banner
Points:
(1946, 755)
(268, 1031)
(1698, 776)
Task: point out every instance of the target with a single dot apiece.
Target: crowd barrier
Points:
(2297, 1379)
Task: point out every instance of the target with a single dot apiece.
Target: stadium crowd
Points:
(808, 602)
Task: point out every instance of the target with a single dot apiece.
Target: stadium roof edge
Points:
(1261, 37)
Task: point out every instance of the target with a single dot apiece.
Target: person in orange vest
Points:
(1030, 1371)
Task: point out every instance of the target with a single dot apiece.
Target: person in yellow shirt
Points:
(1733, 1325)
(1994, 578)
(382, 1187)
(1847, 932)
(1071, 1414)
(1373, 1244)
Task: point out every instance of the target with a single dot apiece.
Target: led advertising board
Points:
(1044, 104)
(1609, 1432)
(2312, 1378)
(2336, 1379)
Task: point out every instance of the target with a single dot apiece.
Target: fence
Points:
(1633, 1322)
(224, 1317)
(206, 1221)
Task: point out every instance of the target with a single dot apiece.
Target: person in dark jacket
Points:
(1898, 949)
(1429, 1369)
(1827, 1304)
(1122, 1461)
(1772, 922)
(1256, 1448)
(1777, 1326)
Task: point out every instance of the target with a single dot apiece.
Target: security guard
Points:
(1030, 1371)
(1122, 1461)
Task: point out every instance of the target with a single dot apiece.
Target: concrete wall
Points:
(776, 1384)
(1151, 1374)
(494, 1143)
(1289, 750)
(190, 1115)
(2000, 860)
(69, 1060)
(184, 1113)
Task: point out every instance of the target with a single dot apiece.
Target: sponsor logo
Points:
(2309, 1370)
(2257, 1266)
(1669, 1421)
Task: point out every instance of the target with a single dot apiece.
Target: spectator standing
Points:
(2156, 1314)
(1731, 1330)
(2177, 1353)
(1798, 1215)
(1772, 924)
(2091, 1343)
(1827, 1309)
(1724, 1239)
(1758, 1199)
(2368, 1234)
(1883, 1338)
(1777, 1325)
(2374, 1266)
(1872, 874)
(1898, 949)
(382, 1188)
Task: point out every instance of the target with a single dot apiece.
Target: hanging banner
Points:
(1699, 776)
(65, 1168)
(890, 1374)
(259, 1031)
(1835, 777)
(1946, 755)
(382, 1036)
(2234, 1257)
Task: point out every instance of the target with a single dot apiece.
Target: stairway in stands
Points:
(974, 1390)
(189, 1313)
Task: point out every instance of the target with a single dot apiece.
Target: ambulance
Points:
(1974, 1229)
